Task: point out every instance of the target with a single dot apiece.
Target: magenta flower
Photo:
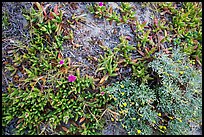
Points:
(61, 62)
(102, 93)
(100, 4)
(71, 78)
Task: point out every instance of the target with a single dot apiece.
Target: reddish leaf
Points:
(110, 22)
(135, 60)
(82, 119)
(111, 10)
(20, 120)
(165, 8)
(65, 129)
(160, 38)
(51, 16)
(128, 38)
(156, 22)
(120, 61)
(64, 70)
(5, 62)
(95, 59)
(150, 38)
(147, 49)
(59, 55)
(45, 14)
(195, 47)
(44, 9)
(104, 79)
(74, 123)
(144, 23)
(74, 5)
(197, 59)
(56, 10)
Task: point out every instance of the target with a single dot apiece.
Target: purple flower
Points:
(102, 93)
(71, 78)
(61, 62)
(100, 4)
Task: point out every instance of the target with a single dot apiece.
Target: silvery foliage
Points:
(181, 92)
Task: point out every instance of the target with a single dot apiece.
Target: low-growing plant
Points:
(139, 65)
(107, 63)
(125, 50)
(121, 57)
(180, 94)
(48, 92)
(134, 103)
(125, 15)
(127, 12)
(166, 108)
(99, 9)
(186, 23)
(5, 20)
(113, 16)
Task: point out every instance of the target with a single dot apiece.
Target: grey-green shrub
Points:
(169, 106)
(180, 93)
(138, 112)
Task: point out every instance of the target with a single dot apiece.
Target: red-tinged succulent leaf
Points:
(59, 55)
(128, 38)
(65, 129)
(147, 49)
(82, 119)
(51, 16)
(110, 22)
(195, 47)
(156, 22)
(56, 10)
(111, 10)
(144, 23)
(104, 79)
(141, 52)
(44, 9)
(74, 123)
(197, 59)
(20, 120)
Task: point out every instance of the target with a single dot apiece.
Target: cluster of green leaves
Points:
(76, 101)
(119, 57)
(139, 65)
(126, 12)
(169, 107)
(107, 64)
(28, 106)
(145, 46)
(44, 95)
(188, 27)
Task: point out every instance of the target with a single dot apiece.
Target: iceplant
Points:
(100, 4)
(71, 78)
